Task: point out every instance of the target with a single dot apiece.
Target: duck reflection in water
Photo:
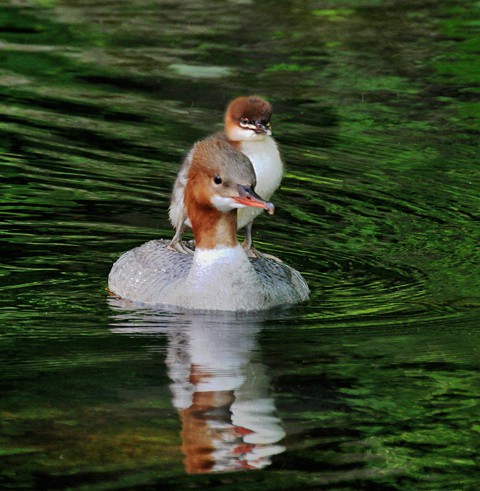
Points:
(219, 387)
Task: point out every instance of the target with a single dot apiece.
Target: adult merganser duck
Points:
(220, 275)
(247, 128)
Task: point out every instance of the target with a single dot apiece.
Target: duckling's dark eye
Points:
(244, 121)
(217, 180)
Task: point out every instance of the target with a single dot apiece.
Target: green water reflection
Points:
(372, 384)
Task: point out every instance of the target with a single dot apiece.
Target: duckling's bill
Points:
(248, 197)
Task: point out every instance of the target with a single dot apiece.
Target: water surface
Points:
(373, 383)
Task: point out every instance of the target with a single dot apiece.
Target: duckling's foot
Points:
(178, 246)
(252, 252)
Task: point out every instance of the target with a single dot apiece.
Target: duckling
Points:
(247, 128)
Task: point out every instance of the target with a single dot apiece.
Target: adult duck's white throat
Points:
(220, 275)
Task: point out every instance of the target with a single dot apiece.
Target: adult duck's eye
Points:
(217, 180)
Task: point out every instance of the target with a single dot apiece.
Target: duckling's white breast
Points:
(268, 167)
(267, 163)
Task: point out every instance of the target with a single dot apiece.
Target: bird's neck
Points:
(212, 228)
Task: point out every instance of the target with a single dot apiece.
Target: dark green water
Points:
(374, 383)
